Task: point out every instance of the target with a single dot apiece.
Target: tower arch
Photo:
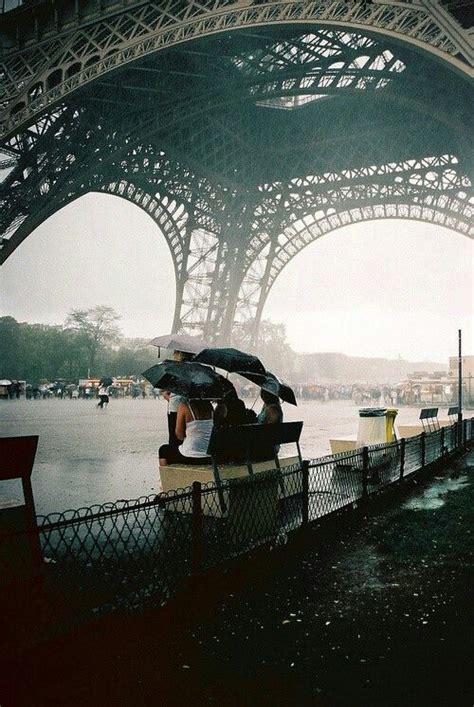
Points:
(278, 252)
(112, 40)
(231, 138)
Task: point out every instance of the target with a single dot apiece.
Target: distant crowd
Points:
(365, 395)
(361, 394)
(73, 391)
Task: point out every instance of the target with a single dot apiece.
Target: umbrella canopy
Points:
(271, 384)
(179, 342)
(106, 381)
(231, 360)
(5, 381)
(192, 380)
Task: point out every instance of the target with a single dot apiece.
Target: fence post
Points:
(402, 457)
(464, 432)
(423, 449)
(197, 539)
(441, 442)
(305, 490)
(459, 434)
(365, 470)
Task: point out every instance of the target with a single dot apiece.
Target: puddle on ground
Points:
(435, 496)
(362, 570)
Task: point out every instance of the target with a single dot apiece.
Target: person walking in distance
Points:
(104, 391)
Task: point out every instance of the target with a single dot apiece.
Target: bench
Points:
(20, 550)
(248, 442)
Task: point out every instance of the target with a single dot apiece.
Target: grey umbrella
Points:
(179, 342)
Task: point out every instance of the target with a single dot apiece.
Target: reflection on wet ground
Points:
(436, 495)
(86, 455)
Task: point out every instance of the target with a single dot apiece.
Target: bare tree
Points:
(95, 328)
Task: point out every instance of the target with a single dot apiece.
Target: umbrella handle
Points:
(253, 404)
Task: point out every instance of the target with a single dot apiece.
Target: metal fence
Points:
(134, 554)
(7, 5)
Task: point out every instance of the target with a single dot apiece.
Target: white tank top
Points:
(198, 434)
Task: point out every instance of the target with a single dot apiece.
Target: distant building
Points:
(428, 388)
(329, 368)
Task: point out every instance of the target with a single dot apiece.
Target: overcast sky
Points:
(385, 288)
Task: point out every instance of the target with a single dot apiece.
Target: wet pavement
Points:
(374, 612)
(87, 455)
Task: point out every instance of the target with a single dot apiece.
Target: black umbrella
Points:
(106, 381)
(192, 380)
(231, 360)
(271, 384)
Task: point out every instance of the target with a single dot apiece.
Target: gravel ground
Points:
(376, 613)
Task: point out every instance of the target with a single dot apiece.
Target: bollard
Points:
(197, 537)
(402, 457)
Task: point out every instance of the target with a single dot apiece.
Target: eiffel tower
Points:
(246, 129)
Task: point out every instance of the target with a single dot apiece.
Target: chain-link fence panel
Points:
(121, 554)
(469, 433)
(242, 514)
(433, 447)
(291, 500)
(383, 465)
(413, 455)
(334, 482)
(451, 438)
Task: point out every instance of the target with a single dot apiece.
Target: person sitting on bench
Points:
(271, 411)
(174, 402)
(233, 412)
(194, 424)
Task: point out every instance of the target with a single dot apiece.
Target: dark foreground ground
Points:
(376, 612)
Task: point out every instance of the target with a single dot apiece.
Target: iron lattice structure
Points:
(246, 130)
